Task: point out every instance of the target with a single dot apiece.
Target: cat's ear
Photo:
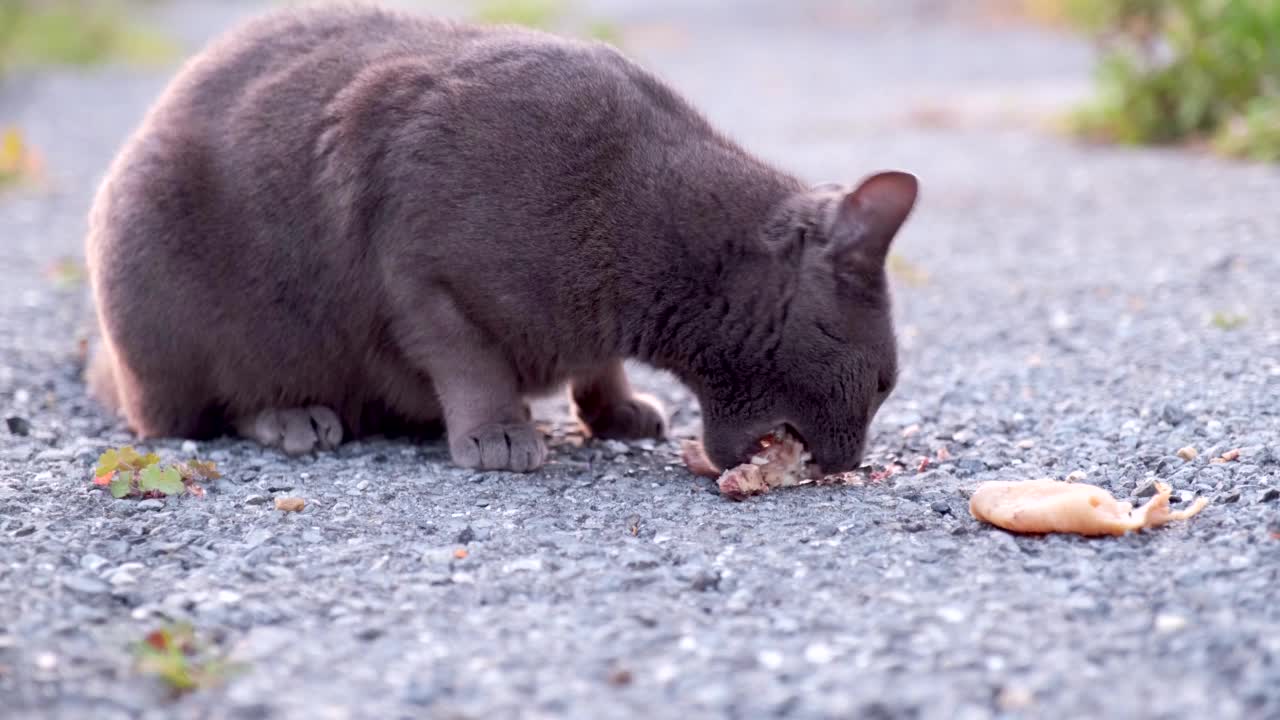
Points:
(868, 219)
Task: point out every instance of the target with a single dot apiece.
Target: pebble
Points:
(256, 500)
(151, 504)
(86, 585)
(1188, 453)
(1147, 488)
(1077, 476)
(189, 447)
(940, 507)
(18, 426)
(529, 564)
(616, 447)
(92, 562)
(1167, 623)
(1269, 495)
(818, 654)
(362, 485)
(257, 536)
(769, 659)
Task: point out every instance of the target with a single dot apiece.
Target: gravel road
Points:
(1061, 309)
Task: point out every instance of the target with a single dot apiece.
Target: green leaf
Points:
(130, 458)
(107, 462)
(122, 484)
(167, 481)
(149, 459)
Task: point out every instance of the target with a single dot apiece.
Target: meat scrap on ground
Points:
(1051, 506)
(781, 462)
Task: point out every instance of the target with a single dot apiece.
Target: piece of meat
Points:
(781, 462)
(1051, 506)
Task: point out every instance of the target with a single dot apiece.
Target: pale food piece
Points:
(1051, 506)
(781, 462)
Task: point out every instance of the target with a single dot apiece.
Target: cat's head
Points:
(813, 346)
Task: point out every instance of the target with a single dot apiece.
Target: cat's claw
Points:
(635, 418)
(296, 431)
(518, 447)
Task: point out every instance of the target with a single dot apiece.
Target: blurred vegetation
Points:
(1185, 70)
(549, 15)
(75, 32)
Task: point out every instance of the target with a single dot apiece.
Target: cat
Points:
(345, 220)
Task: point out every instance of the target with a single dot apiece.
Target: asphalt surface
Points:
(1061, 308)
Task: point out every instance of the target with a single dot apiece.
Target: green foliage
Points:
(1227, 321)
(176, 656)
(125, 473)
(75, 32)
(1177, 70)
(549, 15)
(530, 13)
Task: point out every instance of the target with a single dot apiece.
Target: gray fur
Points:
(407, 221)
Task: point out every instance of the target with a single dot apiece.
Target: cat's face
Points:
(829, 359)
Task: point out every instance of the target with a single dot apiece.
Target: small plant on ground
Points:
(177, 657)
(125, 473)
(1185, 70)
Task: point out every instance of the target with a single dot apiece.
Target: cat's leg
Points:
(486, 419)
(608, 407)
(296, 431)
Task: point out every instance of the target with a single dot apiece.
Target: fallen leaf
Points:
(1231, 455)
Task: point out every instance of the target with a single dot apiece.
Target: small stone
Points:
(951, 615)
(963, 436)
(1013, 698)
(940, 507)
(1229, 497)
(290, 504)
(18, 426)
(1231, 455)
(86, 585)
(1147, 488)
(1188, 453)
(769, 659)
(467, 535)
(818, 654)
(256, 500)
(1077, 476)
(706, 580)
(189, 447)
(46, 661)
(1173, 414)
(1167, 623)
(257, 537)
(151, 504)
(1026, 444)
(529, 564)
(620, 677)
(616, 447)
(1270, 495)
(92, 562)
(362, 485)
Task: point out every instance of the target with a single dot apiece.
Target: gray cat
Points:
(346, 221)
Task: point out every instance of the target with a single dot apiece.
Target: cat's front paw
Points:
(517, 447)
(633, 418)
(296, 431)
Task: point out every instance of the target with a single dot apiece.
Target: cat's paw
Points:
(634, 418)
(296, 431)
(518, 447)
